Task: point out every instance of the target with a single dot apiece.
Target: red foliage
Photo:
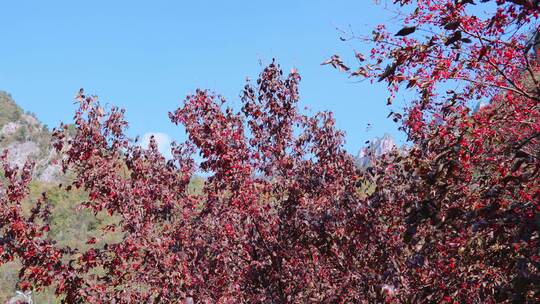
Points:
(280, 218)
(461, 210)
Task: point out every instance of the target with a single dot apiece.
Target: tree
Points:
(461, 211)
(281, 218)
(273, 223)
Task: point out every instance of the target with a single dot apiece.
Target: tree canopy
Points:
(284, 215)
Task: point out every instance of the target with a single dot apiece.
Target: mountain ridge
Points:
(26, 138)
(376, 147)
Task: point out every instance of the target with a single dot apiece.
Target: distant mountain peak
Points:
(375, 149)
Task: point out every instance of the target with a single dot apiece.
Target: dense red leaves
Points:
(284, 215)
(273, 223)
(460, 208)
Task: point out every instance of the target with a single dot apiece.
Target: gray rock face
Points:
(21, 298)
(25, 138)
(49, 170)
(10, 128)
(479, 106)
(20, 152)
(375, 149)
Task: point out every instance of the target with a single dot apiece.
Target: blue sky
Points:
(145, 56)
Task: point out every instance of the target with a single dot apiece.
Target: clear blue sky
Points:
(145, 56)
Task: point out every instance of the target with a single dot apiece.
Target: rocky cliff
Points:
(375, 148)
(26, 138)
